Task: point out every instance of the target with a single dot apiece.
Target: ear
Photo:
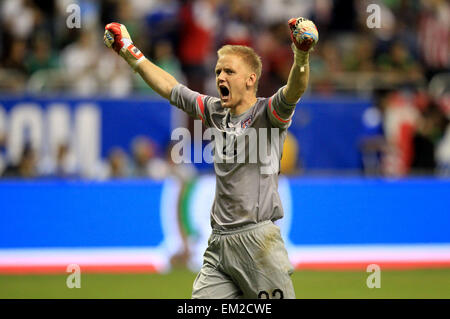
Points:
(251, 80)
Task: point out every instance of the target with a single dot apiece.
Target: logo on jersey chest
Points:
(246, 123)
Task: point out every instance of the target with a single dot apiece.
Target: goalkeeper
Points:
(246, 256)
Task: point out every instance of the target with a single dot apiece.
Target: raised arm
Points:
(304, 36)
(117, 37)
(158, 79)
(297, 82)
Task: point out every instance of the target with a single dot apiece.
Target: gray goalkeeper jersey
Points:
(247, 152)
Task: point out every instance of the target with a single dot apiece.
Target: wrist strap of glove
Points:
(131, 54)
(301, 58)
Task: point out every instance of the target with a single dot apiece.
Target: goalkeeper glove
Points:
(304, 36)
(117, 37)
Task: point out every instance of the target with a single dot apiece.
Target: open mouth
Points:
(224, 92)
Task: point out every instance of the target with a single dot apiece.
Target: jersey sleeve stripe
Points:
(275, 113)
(202, 107)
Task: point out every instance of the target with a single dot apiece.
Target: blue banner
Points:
(113, 122)
(80, 214)
(129, 213)
(328, 130)
(370, 211)
(133, 224)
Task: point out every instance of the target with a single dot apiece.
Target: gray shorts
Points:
(248, 262)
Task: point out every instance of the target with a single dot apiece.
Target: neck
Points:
(244, 105)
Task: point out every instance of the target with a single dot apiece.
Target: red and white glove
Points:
(117, 37)
(304, 36)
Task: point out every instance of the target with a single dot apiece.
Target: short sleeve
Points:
(189, 101)
(279, 111)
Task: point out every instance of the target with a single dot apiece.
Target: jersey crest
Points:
(246, 123)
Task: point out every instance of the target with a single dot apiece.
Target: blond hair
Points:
(248, 55)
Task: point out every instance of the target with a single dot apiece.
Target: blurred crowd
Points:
(43, 49)
(144, 160)
(403, 63)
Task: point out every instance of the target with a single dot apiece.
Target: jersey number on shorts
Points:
(276, 294)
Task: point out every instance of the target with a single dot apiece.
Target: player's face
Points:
(232, 75)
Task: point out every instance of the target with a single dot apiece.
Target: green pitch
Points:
(177, 284)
